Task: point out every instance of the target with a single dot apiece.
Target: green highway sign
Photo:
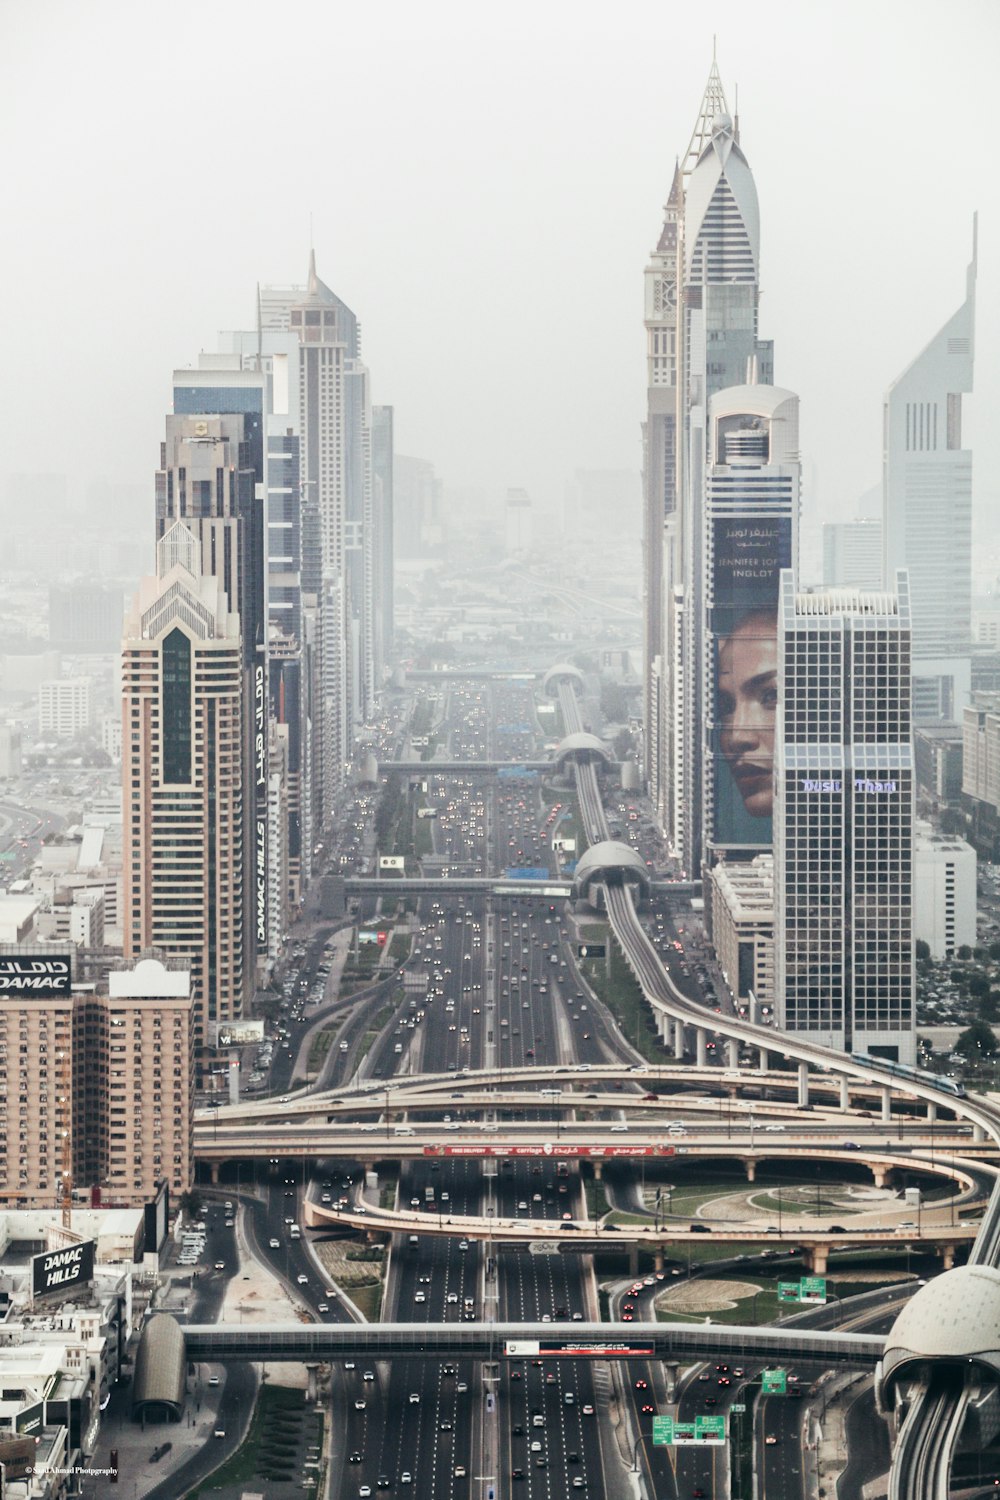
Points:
(710, 1429)
(806, 1289)
(8, 855)
(773, 1382)
(704, 1429)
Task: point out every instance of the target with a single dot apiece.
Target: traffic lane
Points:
(235, 1409)
(869, 1451)
(780, 1466)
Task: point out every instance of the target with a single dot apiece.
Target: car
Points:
(220, 1265)
(414, 1398)
(354, 1458)
(383, 1482)
(517, 1473)
(368, 1375)
(365, 1491)
(406, 1477)
(323, 1307)
(772, 1129)
(302, 1279)
(587, 1409)
(420, 1296)
(444, 1427)
(219, 1432)
(275, 1244)
(770, 1440)
(642, 1385)
(213, 1380)
(360, 1404)
(459, 1471)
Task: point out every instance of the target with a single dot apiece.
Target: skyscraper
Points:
(211, 477)
(701, 324)
(751, 523)
(384, 544)
(844, 807)
(183, 781)
(852, 554)
(927, 508)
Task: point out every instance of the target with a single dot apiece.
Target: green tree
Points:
(964, 951)
(989, 1006)
(977, 1041)
(979, 985)
(924, 950)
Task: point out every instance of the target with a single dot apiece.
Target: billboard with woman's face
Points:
(748, 555)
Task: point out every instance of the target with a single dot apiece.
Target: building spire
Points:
(312, 285)
(713, 104)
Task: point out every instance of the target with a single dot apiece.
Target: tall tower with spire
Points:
(705, 272)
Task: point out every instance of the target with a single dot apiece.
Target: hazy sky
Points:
(485, 184)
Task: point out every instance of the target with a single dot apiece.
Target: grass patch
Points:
(614, 983)
(321, 1044)
(368, 1301)
(273, 1403)
(597, 1200)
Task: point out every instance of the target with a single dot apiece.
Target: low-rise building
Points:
(742, 897)
(944, 894)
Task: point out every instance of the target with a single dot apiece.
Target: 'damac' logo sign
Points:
(43, 975)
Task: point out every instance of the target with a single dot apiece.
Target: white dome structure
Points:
(954, 1319)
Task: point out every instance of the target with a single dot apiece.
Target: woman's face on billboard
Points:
(747, 700)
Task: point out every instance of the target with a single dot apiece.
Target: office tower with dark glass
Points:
(844, 809)
(927, 509)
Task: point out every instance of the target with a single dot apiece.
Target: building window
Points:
(176, 707)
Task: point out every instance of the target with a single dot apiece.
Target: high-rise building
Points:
(418, 508)
(844, 812)
(65, 707)
(518, 530)
(852, 554)
(701, 316)
(384, 546)
(927, 508)
(85, 617)
(211, 477)
(99, 1086)
(751, 523)
(183, 775)
(335, 430)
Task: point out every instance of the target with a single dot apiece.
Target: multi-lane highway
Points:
(502, 1001)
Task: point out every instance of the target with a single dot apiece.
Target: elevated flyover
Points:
(305, 1342)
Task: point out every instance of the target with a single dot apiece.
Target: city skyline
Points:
(883, 261)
